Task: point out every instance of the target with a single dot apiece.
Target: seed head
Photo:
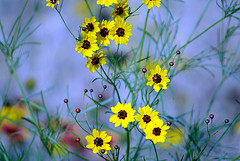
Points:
(102, 151)
(226, 121)
(85, 90)
(144, 70)
(77, 139)
(78, 110)
(171, 63)
(100, 96)
(91, 90)
(178, 52)
(104, 86)
(65, 100)
(169, 123)
(116, 147)
(211, 116)
(207, 121)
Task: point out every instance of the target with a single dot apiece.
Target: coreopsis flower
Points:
(156, 132)
(107, 3)
(120, 9)
(150, 3)
(123, 115)
(95, 60)
(146, 116)
(51, 3)
(90, 26)
(120, 32)
(98, 142)
(87, 45)
(158, 78)
(102, 35)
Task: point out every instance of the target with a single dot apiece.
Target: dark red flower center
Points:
(119, 11)
(90, 26)
(53, 1)
(86, 44)
(95, 61)
(104, 32)
(122, 114)
(156, 131)
(157, 78)
(98, 142)
(120, 32)
(146, 118)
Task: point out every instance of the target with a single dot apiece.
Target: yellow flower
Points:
(12, 113)
(120, 32)
(98, 141)
(146, 116)
(102, 35)
(156, 132)
(90, 26)
(51, 3)
(123, 114)
(87, 46)
(174, 136)
(120, 10)
(94, 61)
(107, 3)
(157, 78)
(150, 3)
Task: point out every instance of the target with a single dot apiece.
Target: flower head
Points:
(158, 78)
(156, 132)
(98, 141)
(146, 116)
(107, 3)
(96, 60)
(123, 114)
(87, 46)
(90, 26)
(120, 9)
(102, 35)
(120, 32)
(150, 3)
(51, 3)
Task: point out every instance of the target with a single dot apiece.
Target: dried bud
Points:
(211, 116)
(91, 90)
(178, 52)
(77, 139)
(100, 96)
(171, 63)
(104, 86)
(169, 123)
(226, 121)
(78, 110)
(85, 90)
(116, 147)
(144, 70)
(65, 100)
(207, 121)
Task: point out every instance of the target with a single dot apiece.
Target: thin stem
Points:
(65, 24)
(155, 149)
(89, 8)
(128, 144)
(100, 12)
(134, 11)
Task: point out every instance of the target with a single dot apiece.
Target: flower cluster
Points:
(147, 118)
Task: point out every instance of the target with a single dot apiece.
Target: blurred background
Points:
(54, 65)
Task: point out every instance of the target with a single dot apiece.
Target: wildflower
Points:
(120, 9)
(123, 114)
(98, 142)
(120, 32)
(157, 78)
(90, 26)
(102, 35)
(146, 116)
(156, 132)
(87, 46)
(150, 3)
(51, 3)
(95, 60)
(107, 3)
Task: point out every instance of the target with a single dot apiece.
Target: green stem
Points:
(65, 24)
(155, 149)
(134, 11)
(100, 12)
(128, 144)
(89, 8)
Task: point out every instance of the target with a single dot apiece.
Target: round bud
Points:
(169, 123)
(85, 90)
(65, 100)
(207, 121)
(211, 116)
(77, 139)
(226, 121)
(116, 147)
(171, 63)
(91, 90)
(100, 96)
(144, 70)
(102, 151)
(178, 52)
(104, 86)
(78, 110)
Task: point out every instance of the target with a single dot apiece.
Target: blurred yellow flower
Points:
(102, 35)
(107, 3)
(123, 115)
(87, 46)
(94, 61)
(156, 132)
(158, 78)
(51, 3)
(98, 141)
(90, 26)
(120, 32)
(150, 3)
(120, 9)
